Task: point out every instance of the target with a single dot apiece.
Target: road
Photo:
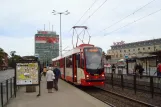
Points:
(4, 75)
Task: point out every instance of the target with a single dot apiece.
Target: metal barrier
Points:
(150, 84)
(7, 91)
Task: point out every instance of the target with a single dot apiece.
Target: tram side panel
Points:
(62, 68)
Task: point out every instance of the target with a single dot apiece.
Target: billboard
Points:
(27, 73)
(46, 40)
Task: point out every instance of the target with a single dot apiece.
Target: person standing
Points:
(50, 76)
(113, 68)
(57, 73)
(44, 71)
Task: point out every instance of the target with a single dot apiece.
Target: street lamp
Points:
(60, 40)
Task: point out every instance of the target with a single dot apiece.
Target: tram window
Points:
(69, 62)
(78, 60)
(82, 60)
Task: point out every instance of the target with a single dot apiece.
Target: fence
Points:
(7, 90)
(148, 84)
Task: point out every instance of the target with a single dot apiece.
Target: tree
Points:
(12, 53)
(1, 56)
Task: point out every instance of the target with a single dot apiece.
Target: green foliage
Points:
(1, 56)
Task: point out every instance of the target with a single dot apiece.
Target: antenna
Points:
(52, 28)
(49, 26)
(44, 27)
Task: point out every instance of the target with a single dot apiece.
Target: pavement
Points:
(67, 96)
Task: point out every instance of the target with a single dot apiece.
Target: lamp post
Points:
(60, 40)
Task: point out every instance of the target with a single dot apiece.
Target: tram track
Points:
(114, 99)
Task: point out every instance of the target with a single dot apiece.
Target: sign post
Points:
(27, 73)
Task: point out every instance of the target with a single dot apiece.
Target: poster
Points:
(27, 74)
(43, 39)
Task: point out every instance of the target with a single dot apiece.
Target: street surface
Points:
(4, 75)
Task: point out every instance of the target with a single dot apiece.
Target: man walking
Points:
(57, 76)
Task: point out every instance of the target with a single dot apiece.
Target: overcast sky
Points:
(20, 20)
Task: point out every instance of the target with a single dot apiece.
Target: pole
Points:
(60, 37)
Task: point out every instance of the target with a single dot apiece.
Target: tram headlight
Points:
(87, 76)
(103, 75)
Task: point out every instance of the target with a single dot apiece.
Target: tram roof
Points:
(73, 51)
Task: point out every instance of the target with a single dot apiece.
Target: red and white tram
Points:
(82, 65)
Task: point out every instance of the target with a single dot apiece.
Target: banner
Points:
(27, 73)
(46, 40)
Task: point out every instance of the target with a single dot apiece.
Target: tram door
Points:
(74, 67)
(64, 64)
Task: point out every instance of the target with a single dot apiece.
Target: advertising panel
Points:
(46, 40)
(27, 73)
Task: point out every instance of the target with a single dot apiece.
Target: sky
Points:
(108, 21)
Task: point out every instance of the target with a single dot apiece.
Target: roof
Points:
(73, 51)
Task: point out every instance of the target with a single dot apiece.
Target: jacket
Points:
(50, 75)
(56, 71)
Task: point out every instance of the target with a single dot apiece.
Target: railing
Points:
(7, 90)
(149, 84)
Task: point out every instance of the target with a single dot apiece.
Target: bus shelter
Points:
(149, 63)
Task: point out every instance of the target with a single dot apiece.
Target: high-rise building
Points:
(46, 46)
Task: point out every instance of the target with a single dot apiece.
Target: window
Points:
(129, 50)
(120, 55)
(143, 48)
(148, 47)
(82, 60)
(120, 50)
(69, 62)
(124, 50)
(78, 60)
(138, 49)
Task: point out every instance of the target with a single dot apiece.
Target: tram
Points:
(82, 65)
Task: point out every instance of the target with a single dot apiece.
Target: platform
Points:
(67, 96)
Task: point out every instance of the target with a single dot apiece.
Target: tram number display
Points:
(95, 74)
(93, 50)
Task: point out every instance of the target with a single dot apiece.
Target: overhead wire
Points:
(84, 13)
(94, 12)
(127, 16)
(133, 22)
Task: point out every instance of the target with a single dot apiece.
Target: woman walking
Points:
(50, 76)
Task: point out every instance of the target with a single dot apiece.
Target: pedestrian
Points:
(159, 69)
(113, 68)
(136, 68)
(57, 76)
(141, 70)
(44, 71)
(50, 76)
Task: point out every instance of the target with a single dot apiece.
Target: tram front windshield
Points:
(93, 59)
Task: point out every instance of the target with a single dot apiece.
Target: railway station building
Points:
(141, 51)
